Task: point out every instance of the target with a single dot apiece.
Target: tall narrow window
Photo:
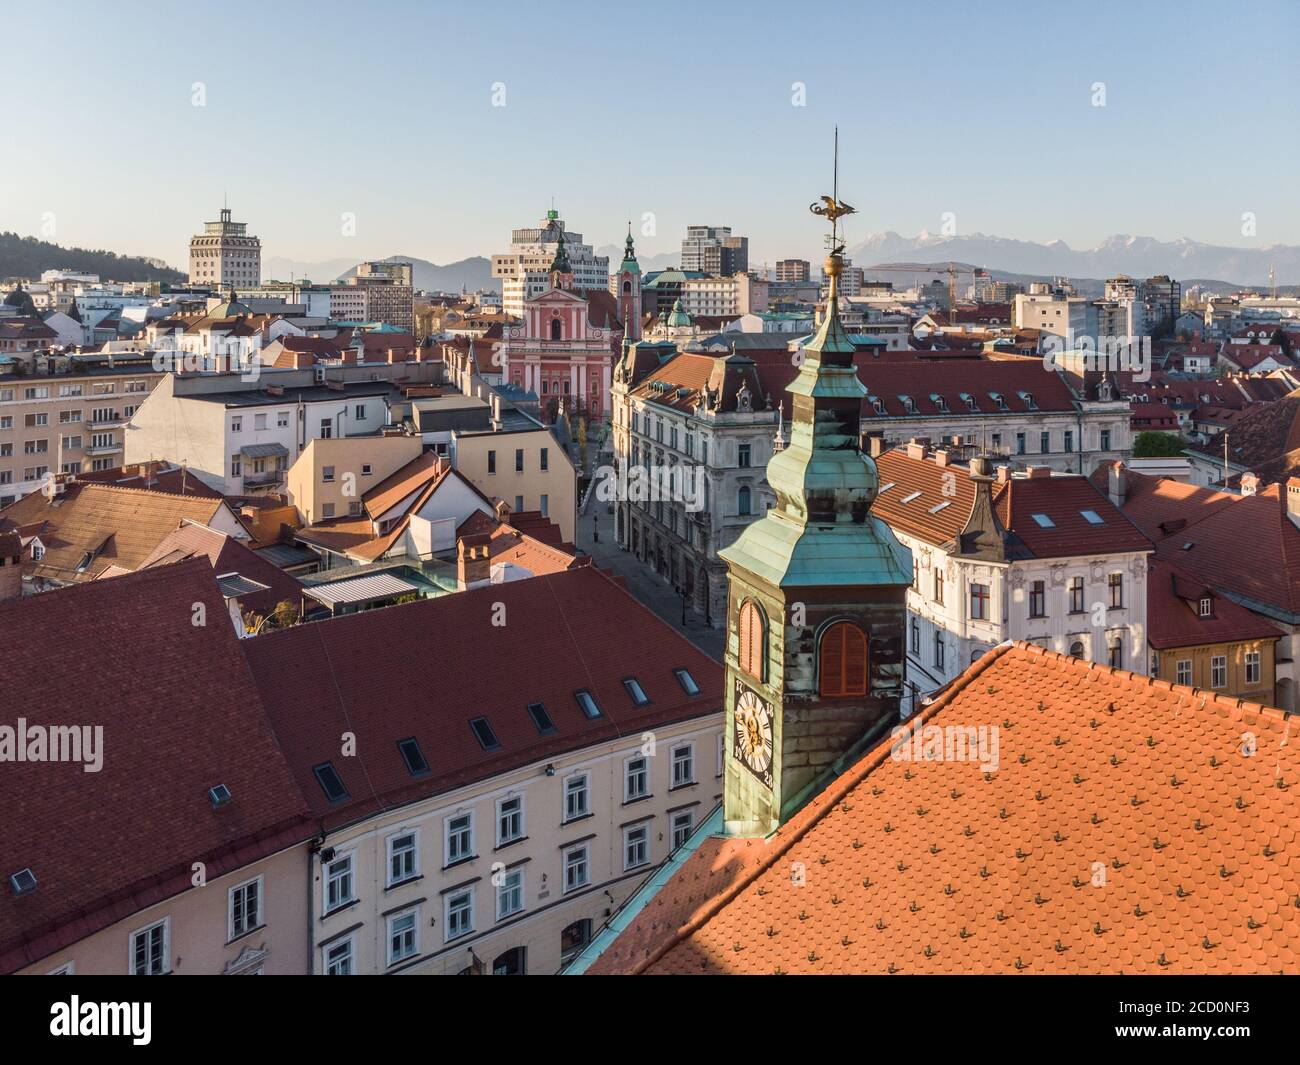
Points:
(842, 665)
(753, 639)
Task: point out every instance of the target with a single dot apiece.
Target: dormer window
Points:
(1206, 607)
(909, 404)
(998, 400)
(971, 402)
(1028, 398)
(877, 405)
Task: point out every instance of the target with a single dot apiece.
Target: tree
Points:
(1151, 445)
(1280, 336)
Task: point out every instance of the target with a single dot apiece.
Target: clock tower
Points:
(816, 596)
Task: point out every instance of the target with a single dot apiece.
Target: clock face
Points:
(752, 742)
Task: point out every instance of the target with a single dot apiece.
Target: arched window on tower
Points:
(842, 660)
(557, 330)
(753, 640)
(743, 503)
(627, 286)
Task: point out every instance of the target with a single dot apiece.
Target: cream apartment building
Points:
(67, 422)
(331, 475)
(512, 874)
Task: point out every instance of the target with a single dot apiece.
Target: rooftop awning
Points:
(360, 590)
(263, 451)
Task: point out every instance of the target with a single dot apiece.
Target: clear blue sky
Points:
(385, 109)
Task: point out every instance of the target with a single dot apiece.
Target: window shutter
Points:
(746, 615)
(843, 666)
(832, 664)
(855, 660)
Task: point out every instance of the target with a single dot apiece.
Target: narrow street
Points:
(596, 537)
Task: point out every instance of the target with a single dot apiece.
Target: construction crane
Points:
(952, 270)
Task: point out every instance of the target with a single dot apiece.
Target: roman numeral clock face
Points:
(752, 742)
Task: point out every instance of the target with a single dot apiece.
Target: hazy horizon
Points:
(975, 118)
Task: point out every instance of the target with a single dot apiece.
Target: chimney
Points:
(1249, 484)
(1293, 500)
(11, 570)
(1035, 472)
(1004, 474)
(941, 456)
(876, 446)
(496, 410)
(473, 560)
(1117, 484)
(916, 447)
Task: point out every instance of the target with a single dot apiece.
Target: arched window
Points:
(627, 286)
(1076, 649)
(557, 329)
(753, 639)
(842, 661)
(743, 504)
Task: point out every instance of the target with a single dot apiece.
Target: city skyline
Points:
(915, 153)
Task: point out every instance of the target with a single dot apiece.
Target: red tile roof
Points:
(564, 632)
(933, 866)
(1173, 614)
(1061, 500)
(179, 713)
(227, 555)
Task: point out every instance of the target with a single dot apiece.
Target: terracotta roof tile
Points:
(1123, 831)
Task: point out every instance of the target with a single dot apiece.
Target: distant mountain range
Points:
(647, 263)
(1181, 259)
(472, 274)
(29, 257)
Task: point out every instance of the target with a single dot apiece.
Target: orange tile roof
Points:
(937, 867)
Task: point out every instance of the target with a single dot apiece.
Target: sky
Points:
(437, 128)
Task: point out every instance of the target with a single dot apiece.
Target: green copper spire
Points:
(629, 255)
(560, 264)
(821, 531)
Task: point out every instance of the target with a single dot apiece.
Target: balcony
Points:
(107, 449)
(264, 479)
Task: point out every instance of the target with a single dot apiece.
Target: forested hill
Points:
(29, 257)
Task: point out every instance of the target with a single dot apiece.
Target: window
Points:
(365, 469)
(545, 505)
(487, 739)
(635, 690)
(752, 640)
(938, 586)
(1116, 653)
(65, 416)
(1020, 443)
(326, 428)
(543, 459)
(636, 846)
(540, 718)
(245, 908)
(574, 939)
(149, 950)
(575, 797)
(1206, 607)
(327, 510)
(743, 501)
(403, 936)
(460, 838)
(519, 460)
(513, 962)
(338, 883)
(330, 781)
(403, 858)
(282, 419)
(1116, 585)
(687, 682)
(510, 819)
(938, 650)
(1045, 442)
(916, 636)
(1092, 517)
(1105, 440)
(1038, 599)
(636, 779)
(842, 660)
(683, 765)
(1219, 671)
(458, 914)
(683, 821)
(1077, 649)
(339, 958)
(742, 455)
(1069, 440)
(1252, 667)
(577, 868)
(979, 602)
(359, 412)
(519, 504)
(1044, 521)
(327, 474)
(510, 894)
(236, 466)
(236, 424)
(1076, 595)
(259, 421)
(587, 703)
(413, 757)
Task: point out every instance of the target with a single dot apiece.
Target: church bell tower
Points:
(628, 293)
(816, 595)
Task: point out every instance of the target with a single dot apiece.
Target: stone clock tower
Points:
(816, 601)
